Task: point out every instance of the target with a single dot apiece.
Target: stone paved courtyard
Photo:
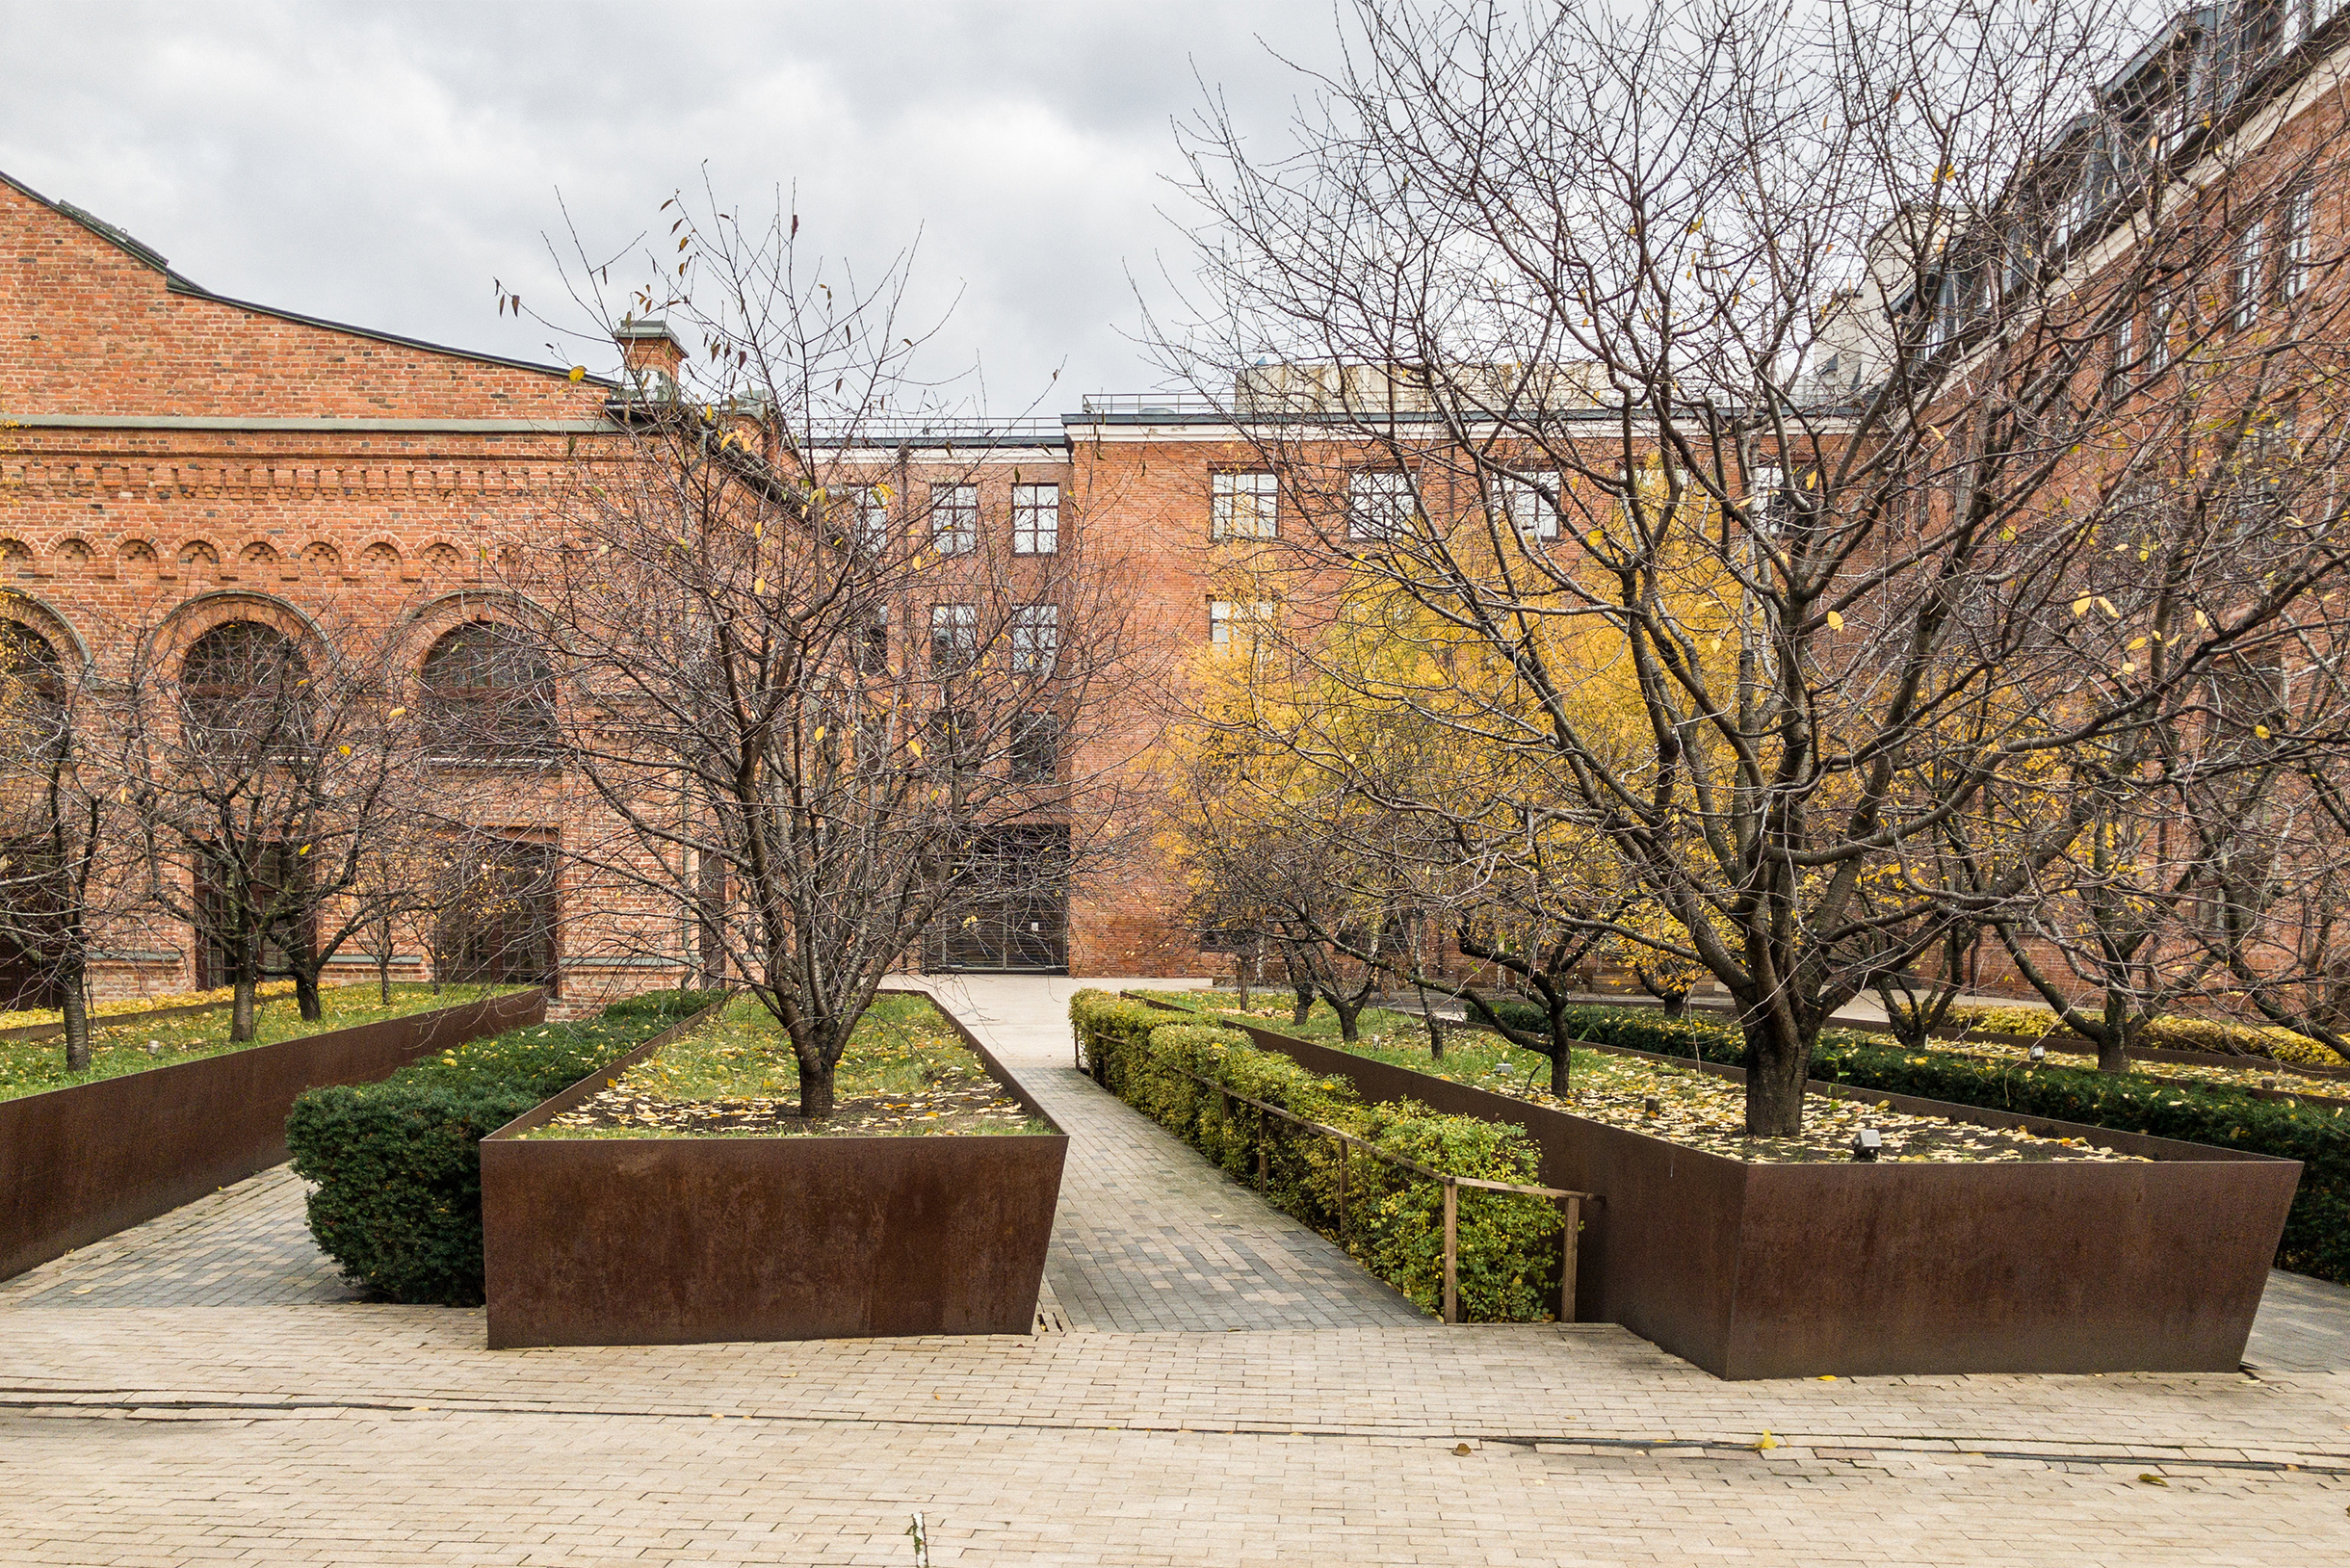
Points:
(1227, 1388)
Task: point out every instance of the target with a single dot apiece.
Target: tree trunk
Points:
(2113, 1047)
(1240, 977)
(384, 980)
(240, 1015)
(1305, 1000)
(1347, 1012)
(1436, 1028)
(76, 1007)
(1675, 1002)
(305, 997)
(1562, 1057)
(1778, 1063)
(815, 1090)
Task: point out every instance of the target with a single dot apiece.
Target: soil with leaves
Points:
(906, 1074)
(1692, 1108)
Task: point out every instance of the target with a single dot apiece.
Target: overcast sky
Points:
(381, 163)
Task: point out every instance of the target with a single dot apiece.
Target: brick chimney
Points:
(651, 356)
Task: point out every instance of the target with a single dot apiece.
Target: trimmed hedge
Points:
(398, 1163)
(1507, 1265)
(2317, 1238)
(2169, 1031)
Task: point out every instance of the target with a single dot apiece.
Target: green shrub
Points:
(2317, 1238)
(1508, 1243)
(2171, 1032)
(397, 1164)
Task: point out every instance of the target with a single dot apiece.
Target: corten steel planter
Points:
(88, 1160)
(1789, 1270)
(684, 1241)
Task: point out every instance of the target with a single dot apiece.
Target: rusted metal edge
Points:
(588, 1088)
(595, 1083)
(2169, 1149)
(987, 1059)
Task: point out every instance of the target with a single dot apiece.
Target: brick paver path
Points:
(1148, 1235)
(180, 1427)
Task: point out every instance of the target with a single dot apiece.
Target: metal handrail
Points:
(1571, 1202)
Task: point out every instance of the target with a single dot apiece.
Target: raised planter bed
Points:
(84, 1162)
(1783, 1270)
(681, 1240)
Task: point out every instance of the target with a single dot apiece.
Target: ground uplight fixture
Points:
(1868, 1143)
(1649, 1106)
(2040, 1053)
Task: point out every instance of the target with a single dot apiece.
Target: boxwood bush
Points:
(1508, 1267)
(2317, 1238)
(397, 1164)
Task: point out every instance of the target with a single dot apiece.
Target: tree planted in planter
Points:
(840, 687)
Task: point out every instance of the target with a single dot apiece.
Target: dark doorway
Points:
(498, 921)
(1018, 921)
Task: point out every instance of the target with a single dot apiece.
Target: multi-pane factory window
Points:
(955, 519)
(1242, 506)
(1035, 519)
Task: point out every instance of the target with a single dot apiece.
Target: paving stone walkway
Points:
(1149, 1237)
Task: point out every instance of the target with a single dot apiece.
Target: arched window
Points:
(242, 686)
(489, 694)
(32, 684)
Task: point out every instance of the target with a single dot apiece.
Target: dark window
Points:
(31, 685)
(488, 696)
(1009, 907)
(32, 903)
(1035, 749)
(868, 650)
(498, 915)
(229, 903)
(954, 638)
(242, 686)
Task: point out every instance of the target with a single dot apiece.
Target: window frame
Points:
(1036, 523)
(2244, 309)
(1227, 617)
(1227, 486)
(1521, 496)
(948, 618)
(1033, 733)
(955, 519)
(1390, 493)
(2298, 225)
(871, 523)
(1035, 640)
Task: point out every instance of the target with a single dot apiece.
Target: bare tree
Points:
(1759, 398)
(842, 685)
(58, 887)
(262, 771)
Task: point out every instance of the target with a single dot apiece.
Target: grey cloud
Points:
(381, 163)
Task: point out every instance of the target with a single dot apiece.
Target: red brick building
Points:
(173, 461)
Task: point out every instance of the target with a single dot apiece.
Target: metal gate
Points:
(1017, 920)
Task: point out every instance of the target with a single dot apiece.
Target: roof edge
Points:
(177, 282)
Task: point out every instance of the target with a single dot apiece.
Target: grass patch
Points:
(905, 1073)
(131, 1043)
